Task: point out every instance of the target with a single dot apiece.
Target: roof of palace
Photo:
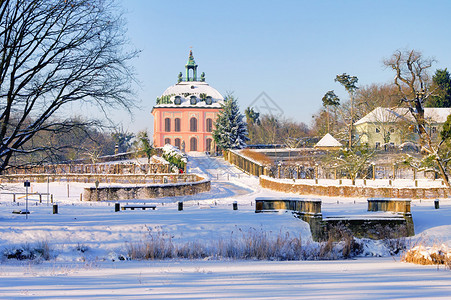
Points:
(191, 91)
(186, 90)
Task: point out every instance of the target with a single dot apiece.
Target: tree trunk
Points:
(442, 172)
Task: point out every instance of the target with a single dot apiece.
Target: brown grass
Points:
(251, 244)
(436, 255)
(257, 156)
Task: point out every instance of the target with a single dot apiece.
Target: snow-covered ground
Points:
(98, 272)
(369, 278)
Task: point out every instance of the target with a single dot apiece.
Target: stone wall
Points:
(354, 191)
(145, 191)
(311, 206)
(308, 210)
(400, 224)
(388, 204)
(373, 228)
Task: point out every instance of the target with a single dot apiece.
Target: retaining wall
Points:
(145, 191)
(354, 191)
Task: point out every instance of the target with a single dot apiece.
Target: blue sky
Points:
(291, 50)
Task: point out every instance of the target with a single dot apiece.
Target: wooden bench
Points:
(21, 211)
(133, 206)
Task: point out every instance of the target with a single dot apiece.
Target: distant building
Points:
(185, 114)
(329, 143)
(396, 126)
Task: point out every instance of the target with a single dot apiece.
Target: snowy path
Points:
(214, 167)
(227, 182)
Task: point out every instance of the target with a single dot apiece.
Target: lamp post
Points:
(26, 185)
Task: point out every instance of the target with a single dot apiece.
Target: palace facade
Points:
(185, 114)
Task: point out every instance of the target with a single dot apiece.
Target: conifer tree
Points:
(230, 128)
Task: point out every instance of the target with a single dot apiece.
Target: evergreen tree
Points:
(441, 87)
(252, 117)
(230, 129)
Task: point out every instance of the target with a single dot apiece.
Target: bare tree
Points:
(412, 80)
(54, 53)
(369, 97)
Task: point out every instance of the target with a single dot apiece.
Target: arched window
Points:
(193, 144)
(177, 124)
(193, 124)
(209, 125)
(208, 146)
(167, 125)
(167, 141)
(177, 143)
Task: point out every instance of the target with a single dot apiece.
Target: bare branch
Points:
(54, 53)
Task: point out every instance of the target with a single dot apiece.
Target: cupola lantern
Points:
(191, 65)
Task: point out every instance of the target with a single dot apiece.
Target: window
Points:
(209, 125)
(378, 130)
(193, 144)
(392, 130)
(167, 141)
(167, 125)
(193, 124)
(177, 124)
(177, 143)
(208, 146)
(434, 129)
(378, 145)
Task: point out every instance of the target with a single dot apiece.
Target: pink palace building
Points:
(185, 114)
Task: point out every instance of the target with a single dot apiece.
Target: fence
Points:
(117, 168)
(311, 170)
(103, 178)
(245, 164)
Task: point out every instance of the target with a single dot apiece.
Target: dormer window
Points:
(178, 100)
(208, 100)
(193, 100)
